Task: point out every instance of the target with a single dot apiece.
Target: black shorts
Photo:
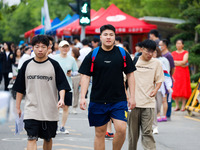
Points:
(40, 129)
(68, 98)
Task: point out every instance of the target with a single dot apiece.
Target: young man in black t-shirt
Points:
(108, 99)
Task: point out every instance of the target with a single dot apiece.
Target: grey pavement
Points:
(181, 133)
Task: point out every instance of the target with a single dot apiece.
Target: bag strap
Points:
(94, 54)
(123, 52)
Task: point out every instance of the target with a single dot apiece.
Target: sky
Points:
(11, 2)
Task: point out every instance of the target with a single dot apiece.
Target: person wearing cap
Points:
(69, 66)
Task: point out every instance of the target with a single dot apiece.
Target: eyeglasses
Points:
(148, 51)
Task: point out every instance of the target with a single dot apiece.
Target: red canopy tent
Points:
(126, 26)
(129, 28)
(124, 23)
(67, 30)
(32, 31)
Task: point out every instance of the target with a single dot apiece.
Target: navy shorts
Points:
(100, 113)
(40, 129)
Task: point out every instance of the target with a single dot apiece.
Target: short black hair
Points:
(40, 39)
(139, 44)
(76, 37)
(107, 27)
(118, 38)
(149, 44)
(154, 32)
(126, 44)
(50, 38)
(27, 48)
(96, 40)
(85, 42)
(165, 41)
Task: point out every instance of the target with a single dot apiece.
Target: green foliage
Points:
(197, 28)
(162, 8)
(17, 19)
(191, 13)
(184, 36)
(194, 59)
(188, 26)
(140, 8)
(195, 49)
(195, 77)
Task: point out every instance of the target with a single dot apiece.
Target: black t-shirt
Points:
(107, 81)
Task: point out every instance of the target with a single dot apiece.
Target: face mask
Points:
(160, 48)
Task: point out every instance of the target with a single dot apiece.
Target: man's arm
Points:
(85, 80)
(172, 71)
(19, 97)
(131, 85)
(61, 102)
(153, 93)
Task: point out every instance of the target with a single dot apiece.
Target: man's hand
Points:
(69, 73)
(153, 93)
(131, 103)
(19, 112)
(83, 104)
(60, 104)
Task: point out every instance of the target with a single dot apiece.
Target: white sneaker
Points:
(63, 130)
(155, 130)
(74, 111)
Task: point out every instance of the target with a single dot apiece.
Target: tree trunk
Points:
(196, 37)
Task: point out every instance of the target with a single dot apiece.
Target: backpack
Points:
(95, 52)
(136, 58)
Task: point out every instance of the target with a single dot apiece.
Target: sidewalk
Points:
(181, 133)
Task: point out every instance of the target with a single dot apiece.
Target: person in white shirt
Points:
(118, 41)
(50, 47)
(26, 56)
(77, 42)
(85, 50)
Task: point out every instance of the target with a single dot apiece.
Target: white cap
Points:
(62, 43)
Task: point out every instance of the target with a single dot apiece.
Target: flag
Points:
(45, 13)
(42, 20)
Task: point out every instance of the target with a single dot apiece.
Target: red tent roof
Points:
(123, 23)
(32, 31)
(67, 30)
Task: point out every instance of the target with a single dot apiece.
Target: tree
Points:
(17, 19)
(190, 33)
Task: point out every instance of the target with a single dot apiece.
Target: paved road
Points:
(181, 133)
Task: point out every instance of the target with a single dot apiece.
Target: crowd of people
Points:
(116, 86)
